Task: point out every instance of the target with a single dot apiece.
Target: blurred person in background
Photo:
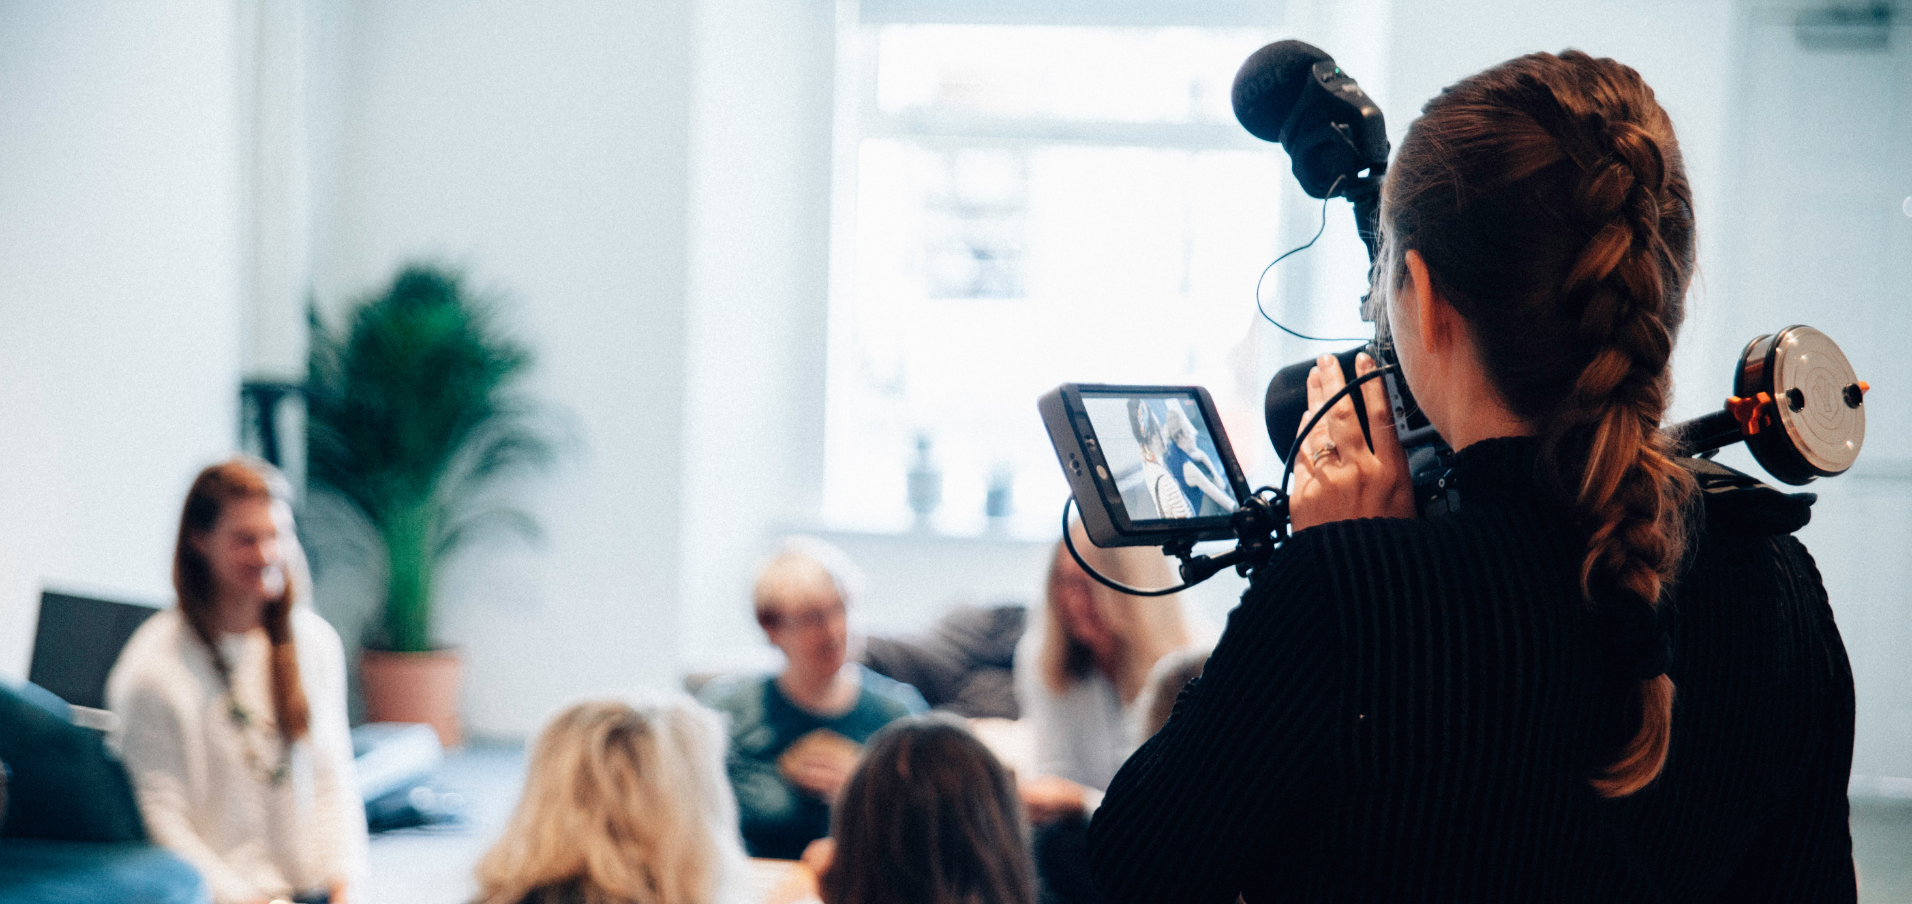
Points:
(232, 705)
(929, 816)
(795, 736)
(1081, 669)
(1082, 665)
(625, 802)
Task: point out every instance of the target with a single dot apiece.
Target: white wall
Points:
(652, 190)
(119, 298)
(761, 131)
(1684, 50)
(544, 147)
(1815, 234)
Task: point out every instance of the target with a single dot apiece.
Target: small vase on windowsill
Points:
(925, 485)
(1000, 501)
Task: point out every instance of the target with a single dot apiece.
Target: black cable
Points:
(1068, 541)
(1294, 451)
(1068, 537)
(1289, 253)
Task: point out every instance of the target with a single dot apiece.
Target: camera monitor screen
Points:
(1167, 468)
(1146, 462)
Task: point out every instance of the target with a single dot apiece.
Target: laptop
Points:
(77, 641)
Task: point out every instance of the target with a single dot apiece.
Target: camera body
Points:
(1285, 406)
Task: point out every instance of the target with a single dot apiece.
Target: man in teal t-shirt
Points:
(794, 737)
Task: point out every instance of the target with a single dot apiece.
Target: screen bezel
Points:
(1109, 524)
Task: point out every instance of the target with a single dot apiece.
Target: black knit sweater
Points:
(1410, 710)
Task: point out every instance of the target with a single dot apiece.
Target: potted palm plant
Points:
(414, 413)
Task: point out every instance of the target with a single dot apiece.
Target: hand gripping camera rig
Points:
(1150, 465)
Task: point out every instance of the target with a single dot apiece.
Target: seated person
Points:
(795, 737)
(929, 815)
(232, 705)
(624, 801)
(1081, 667)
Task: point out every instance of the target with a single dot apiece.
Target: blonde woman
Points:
(625, 802)
(1163, 488)
(1192, 467)
(1081, 667)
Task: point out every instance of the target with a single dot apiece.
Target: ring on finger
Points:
(1327, 448)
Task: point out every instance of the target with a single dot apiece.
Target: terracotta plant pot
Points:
(414, 687)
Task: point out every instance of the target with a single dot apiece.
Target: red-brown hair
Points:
(1548, 199)
(214, 489)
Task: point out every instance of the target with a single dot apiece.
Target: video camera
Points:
(1151, 465)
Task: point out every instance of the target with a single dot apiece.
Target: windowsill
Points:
(931, 537)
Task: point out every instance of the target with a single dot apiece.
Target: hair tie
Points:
(1630, 632)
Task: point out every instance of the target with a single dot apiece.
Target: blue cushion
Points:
(67, 872)
(65, 786)
(45, 699)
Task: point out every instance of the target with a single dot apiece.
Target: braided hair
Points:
(1548, 199)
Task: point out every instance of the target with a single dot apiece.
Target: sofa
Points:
(70, 830)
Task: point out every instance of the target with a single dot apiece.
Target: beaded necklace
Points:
(255, 731)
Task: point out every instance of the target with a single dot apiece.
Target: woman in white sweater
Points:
(1081, 665)
(232, 706)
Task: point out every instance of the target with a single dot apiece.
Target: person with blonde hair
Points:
(1082, 665)
(232, 705)
(794, 736)
(625, 802)
(1190, 465)
(1162, 488)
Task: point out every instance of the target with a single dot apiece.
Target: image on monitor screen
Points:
(1161, 453)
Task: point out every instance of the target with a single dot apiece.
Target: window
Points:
(1032, 205)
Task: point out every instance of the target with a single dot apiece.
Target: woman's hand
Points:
(1336, 476)
(799, 884)
(822, 770)
(1048, 798)
(818, 854)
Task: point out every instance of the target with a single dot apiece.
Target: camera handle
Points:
(1260, 525)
